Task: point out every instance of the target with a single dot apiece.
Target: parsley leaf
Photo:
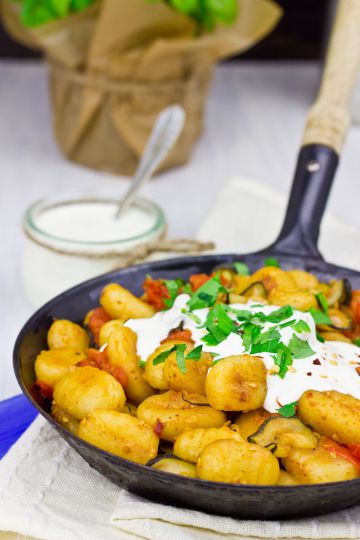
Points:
(219, 325)
(206, 295)
(287, 323)
(320, 338)
(357, 342)
(283, 359)
(142, 363)
(319, 317)
(241, 268)
(180, 357)
(288, 410)
(195, 354)
(301, 326)
(280, 314)
(250, 332)
(192, 316)
(322, 302)
(161, 357)
(272, 261)
(299, 348)
(173, 286)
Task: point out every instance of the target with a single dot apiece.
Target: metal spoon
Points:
(164, 134)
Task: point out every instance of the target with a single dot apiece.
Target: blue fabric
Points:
(16, 414)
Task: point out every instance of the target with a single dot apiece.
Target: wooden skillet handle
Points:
(329, 118)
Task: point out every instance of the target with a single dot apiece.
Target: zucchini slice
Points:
(280, 435)
(340, 292)
(256, 290)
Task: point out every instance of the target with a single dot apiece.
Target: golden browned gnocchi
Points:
(65, 334)
(216, 376)
(228, 460)
(121, 304)
(51, 365)
(85, 389)
(333, 414)
(189, 444)
(170, 415)
(121, 351)
(120, 434)
(237, 383)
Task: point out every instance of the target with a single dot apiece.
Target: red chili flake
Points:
(309, 374)
(317, 362)
(158, 428)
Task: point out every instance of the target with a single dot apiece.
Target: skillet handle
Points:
(325, 131)
(329, 118)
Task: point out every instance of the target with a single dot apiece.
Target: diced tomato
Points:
(97, 318)
(181, 335)
(100, 360)
(156, 291)
(197, 280)
(46, 391)
(355, 450)
(355, 306)
(333, 447)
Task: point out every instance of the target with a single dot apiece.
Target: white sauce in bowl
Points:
(338, 360)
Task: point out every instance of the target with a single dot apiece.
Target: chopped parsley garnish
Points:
(219, 325)
(287, 323)
(322, 302)
(192, 316)
(283, 359)
(280, 314)
(271, 261)
(320, 317)
(299, 348)
(288, 410)
(206, 295)
(142, 363)
(301, 326)
(195, 354)
(179, 349)
(173, 286)
(357, 342)
(242, 269)
(320, 338)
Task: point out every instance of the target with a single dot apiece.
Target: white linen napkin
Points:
(47, 491)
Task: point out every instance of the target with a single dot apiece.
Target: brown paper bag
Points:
(132, 59)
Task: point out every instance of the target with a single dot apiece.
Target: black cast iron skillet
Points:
(296, 247)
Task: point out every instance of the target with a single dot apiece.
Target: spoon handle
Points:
(165, 133)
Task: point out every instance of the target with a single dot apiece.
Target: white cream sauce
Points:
(338, 360)
(93, 222)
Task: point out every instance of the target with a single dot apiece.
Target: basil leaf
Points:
(320, 317)
(301, 326)
(242, 269)
(300, 348)
(195, 354)
(271, 261)
(288, 410)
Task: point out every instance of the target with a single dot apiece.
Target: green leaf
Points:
(187, 7)
(270, 335)
(240, 314)
(192, 316)
(320, 338)
(206, 295)
(195, 354)
(160, 358)
(300, 348)
(270, 346)
(250, 332)
(271, 261)
(142, 363)
(180, 358)
(280, 314)
(320, 317)
(301, 326)
(173, 286)
(287, 323)
(242, 269)
(219, 325)
(288, 410)
(223, 11)
(322, 302)
(283, 359)
(357, 342)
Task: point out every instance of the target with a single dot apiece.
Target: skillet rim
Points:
(176, 261)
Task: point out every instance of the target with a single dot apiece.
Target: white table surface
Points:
(253, 126)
